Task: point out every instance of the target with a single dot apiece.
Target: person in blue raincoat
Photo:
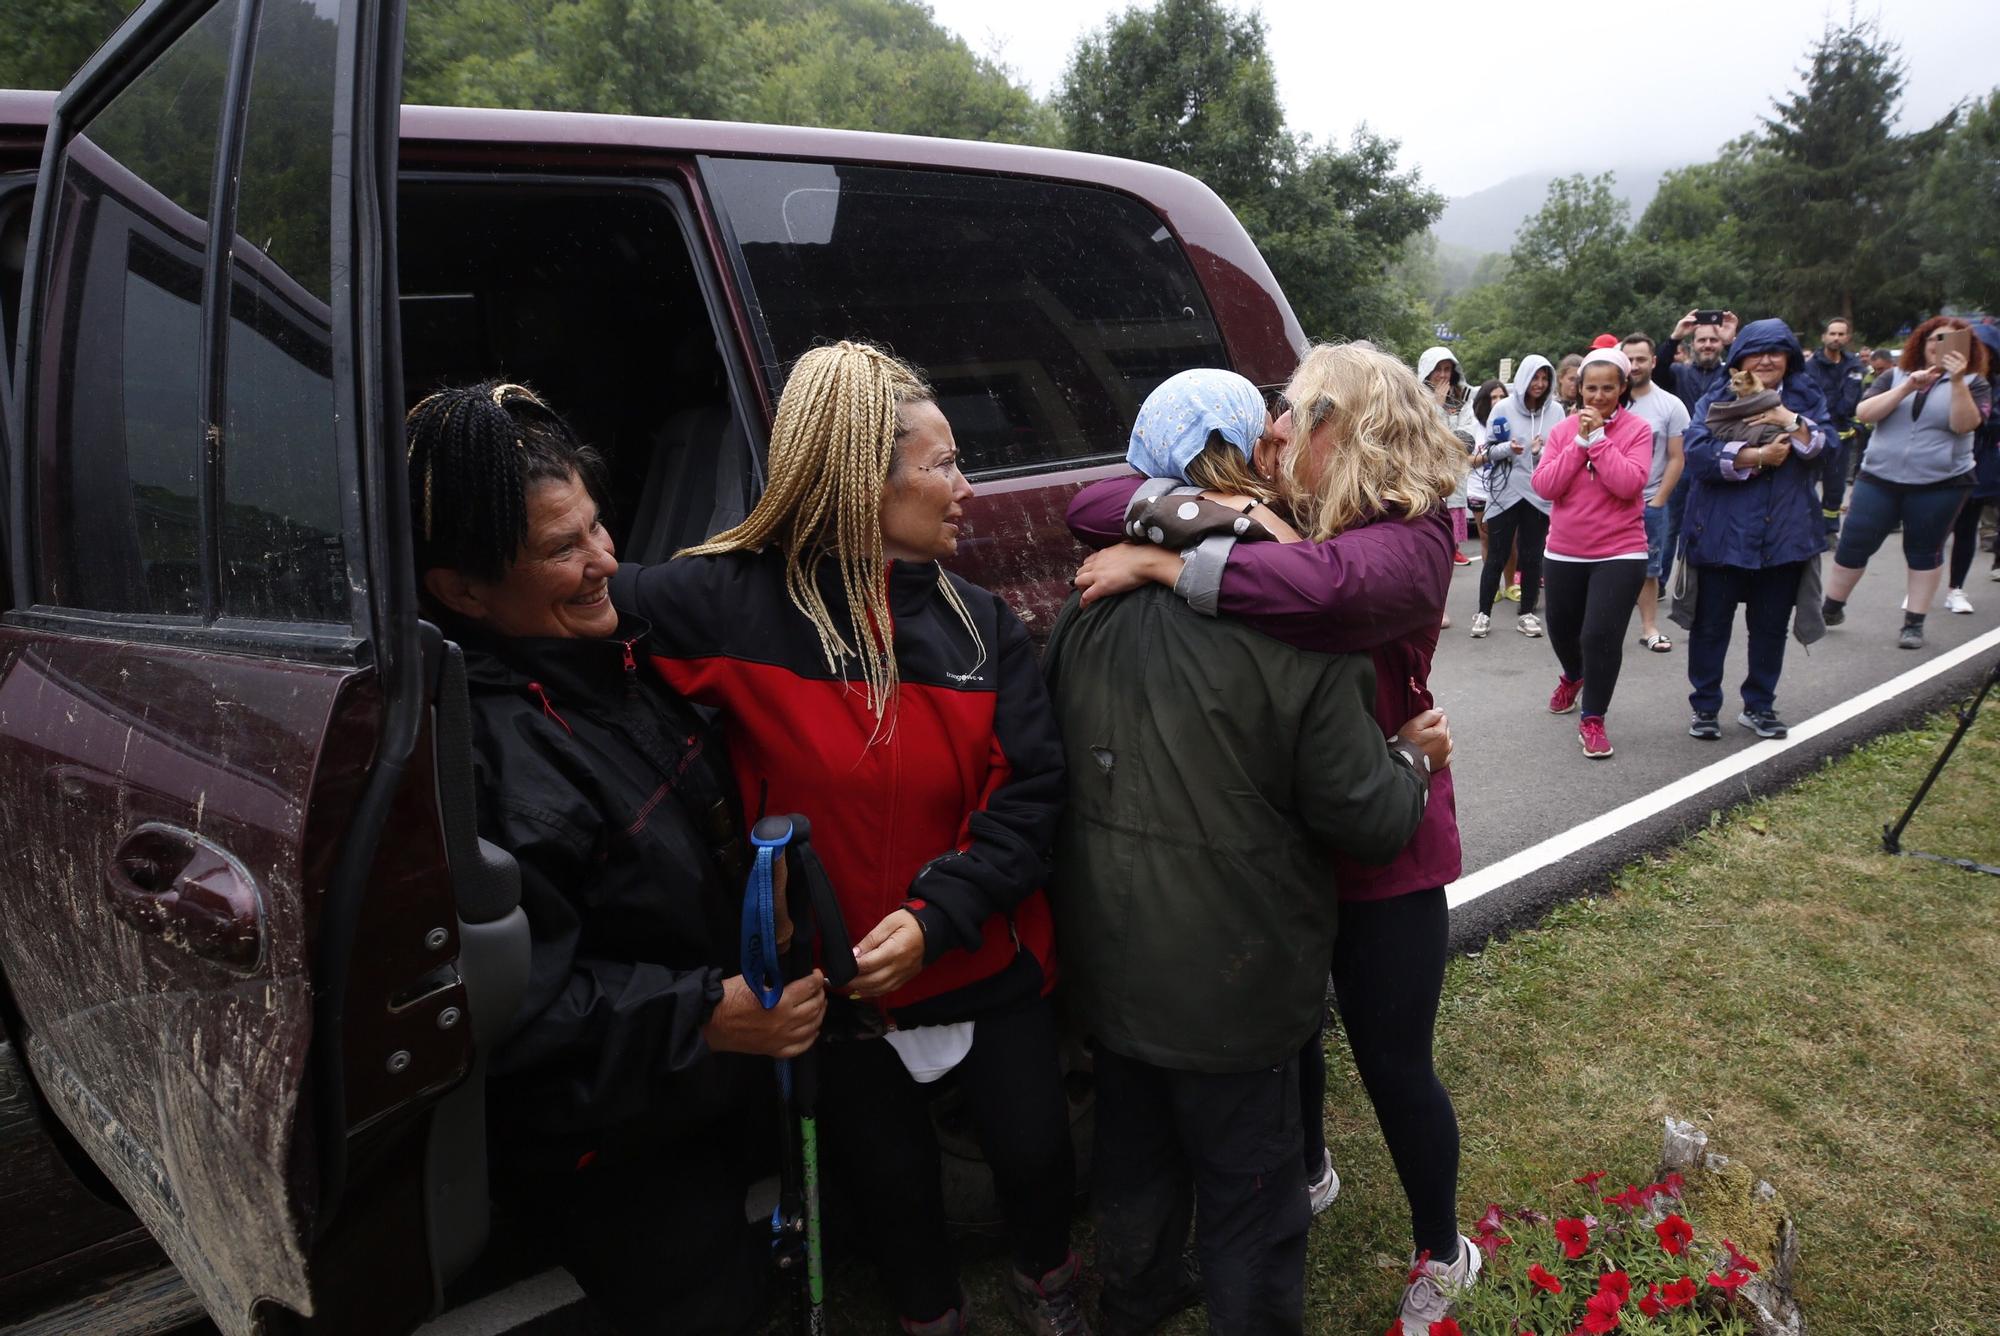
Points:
(1753, 527)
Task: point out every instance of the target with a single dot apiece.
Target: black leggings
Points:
(1522, 521)
(1590, 609)
(1388, 970)
(875, 1126)
(1965, 540)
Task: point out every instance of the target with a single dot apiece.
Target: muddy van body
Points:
(251, 947)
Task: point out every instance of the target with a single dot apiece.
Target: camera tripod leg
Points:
(1892, 835)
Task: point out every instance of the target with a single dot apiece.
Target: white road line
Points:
(1534, 858)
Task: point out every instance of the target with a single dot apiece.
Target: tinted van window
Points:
(1044, 313)
(118, 442)
(283, 556)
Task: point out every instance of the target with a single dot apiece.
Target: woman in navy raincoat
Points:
(1753, 524)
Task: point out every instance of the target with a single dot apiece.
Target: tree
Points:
(1188, 84)
(47, 40)
(1956, 214)
(1829, 212)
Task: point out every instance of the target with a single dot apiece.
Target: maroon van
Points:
(251, 948)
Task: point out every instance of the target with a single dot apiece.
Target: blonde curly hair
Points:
(1382, 444)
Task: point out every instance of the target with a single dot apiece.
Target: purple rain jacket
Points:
(1377, 590)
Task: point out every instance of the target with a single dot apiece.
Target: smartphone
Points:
(1709, 317)
(1955, 341)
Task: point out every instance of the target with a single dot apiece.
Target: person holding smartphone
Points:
(1918, 470)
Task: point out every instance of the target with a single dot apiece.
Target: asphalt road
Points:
(1521, 773)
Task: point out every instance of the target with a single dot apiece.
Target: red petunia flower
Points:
(1574, 1236)
(1651, 1305)
(1395, 1328)
(1675, 1235)
(1588, 1180)
(1601, 1314)
(1737, 1261)
(1540, 1277)
(1528, 1215)
(1673, 1185)
(1679, 1293)
(1615, 1283)
(1490, 1222)
(1633, 1198)
(1446, 1327)
(1491, 1244)
(1729, 1283)
(1417, 1269)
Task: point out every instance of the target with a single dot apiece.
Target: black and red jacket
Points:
(950, 812)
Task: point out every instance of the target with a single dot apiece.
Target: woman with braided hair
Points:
(901, 710)
(629, 1115)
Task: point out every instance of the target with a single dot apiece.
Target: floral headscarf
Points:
(1176, 419)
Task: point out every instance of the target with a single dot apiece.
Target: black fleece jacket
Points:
(613, 795)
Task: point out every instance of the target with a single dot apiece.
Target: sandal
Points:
(1657, 643)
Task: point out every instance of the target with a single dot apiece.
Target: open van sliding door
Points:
(224, 915)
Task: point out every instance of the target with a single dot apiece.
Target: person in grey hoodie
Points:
(1438, 369)
(1517, 515)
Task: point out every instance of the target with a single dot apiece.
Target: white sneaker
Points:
(1429, 1297)
(1956, 601)
(1322, 1190)
(1529, 625)
(1481, 624)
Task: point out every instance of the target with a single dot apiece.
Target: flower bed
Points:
(1636, 1260)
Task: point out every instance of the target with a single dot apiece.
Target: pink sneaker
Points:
(1563, 699)
(1596, 742)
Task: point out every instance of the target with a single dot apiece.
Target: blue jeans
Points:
(1663, 535)
(1767, 596)
(1926, 513)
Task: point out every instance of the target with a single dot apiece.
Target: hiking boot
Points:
(1911, 636)
(1481, 624)
(1956, 601)
(1563, 699)
(1325, 1187)
(1434, 1286)
(1596, 742)
(953, 1322)
(1764, 723)
(1705, 726)
(1529, 625)
(1051, 1306)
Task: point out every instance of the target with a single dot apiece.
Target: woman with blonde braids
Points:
(1365, 466)
(901, 710)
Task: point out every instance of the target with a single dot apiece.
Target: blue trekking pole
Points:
(815, 915)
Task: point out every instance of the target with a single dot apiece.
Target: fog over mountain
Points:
(1487, 220)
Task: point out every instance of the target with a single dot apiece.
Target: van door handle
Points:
(190, 893)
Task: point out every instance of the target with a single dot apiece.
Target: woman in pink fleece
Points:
(1594, 471)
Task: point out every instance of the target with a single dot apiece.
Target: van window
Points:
(1043, 313)
(118, 443)
(283, 556)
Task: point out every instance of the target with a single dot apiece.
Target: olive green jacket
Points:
(1212, 770)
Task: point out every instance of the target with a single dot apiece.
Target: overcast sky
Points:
(1478, 92)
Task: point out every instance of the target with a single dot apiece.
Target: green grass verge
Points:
(1826, 1012)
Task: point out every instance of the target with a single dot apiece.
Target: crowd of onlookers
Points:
(1730, 457)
